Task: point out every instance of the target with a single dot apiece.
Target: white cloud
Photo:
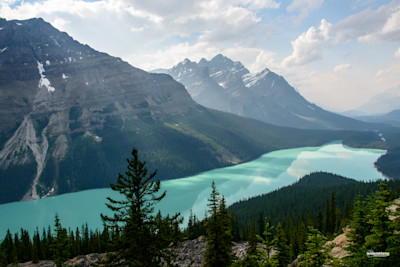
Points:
(397, 54)
(308, 46)
(342, 68)
(260, 4)
(122, 27)
(254, 59)
(304, 8)
(382, 24)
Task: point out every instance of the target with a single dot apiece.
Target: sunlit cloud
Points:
(309, 45)
(382, 24)
(317, 59)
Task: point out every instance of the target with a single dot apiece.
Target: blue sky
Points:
(338, 54)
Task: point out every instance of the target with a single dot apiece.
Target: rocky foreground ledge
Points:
(190, 253)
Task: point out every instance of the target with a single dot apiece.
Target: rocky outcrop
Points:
(339, 244)
(189, 253)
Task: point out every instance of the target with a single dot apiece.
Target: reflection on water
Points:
(265, 174)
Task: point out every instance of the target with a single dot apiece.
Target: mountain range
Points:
(226, 85)
(70, 115)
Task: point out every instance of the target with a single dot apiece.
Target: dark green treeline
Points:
(59, 244)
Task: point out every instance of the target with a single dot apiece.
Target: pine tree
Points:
(3, 257)
(219, 233)
(381, 225)
(268, 241)
(358, 230)
(133, 225)
(282, 248)
(327, 224)
(36, 247)
(315, 254)
(7, 246)
(60, 246)
(301, 234)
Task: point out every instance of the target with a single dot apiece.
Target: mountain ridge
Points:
(70, 116)
(228, 86)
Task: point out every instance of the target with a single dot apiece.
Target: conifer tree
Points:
(327, 224)
(315, 254)
(358, 230)
(381, 225)
(3, 258)
(301, 234)
(36, 247)
(268, 241)
(7, 246)
(60, 246)
(134, 225)
(219, 233)
(282, 248)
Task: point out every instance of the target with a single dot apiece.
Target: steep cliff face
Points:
(55, 90)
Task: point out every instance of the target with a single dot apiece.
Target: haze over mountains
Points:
(226, 85)
(70, 116)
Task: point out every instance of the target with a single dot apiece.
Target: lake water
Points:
(267, 173)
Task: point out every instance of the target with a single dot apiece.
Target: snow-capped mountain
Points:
(226, 85)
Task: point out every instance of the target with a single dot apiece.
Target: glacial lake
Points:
(265, 174)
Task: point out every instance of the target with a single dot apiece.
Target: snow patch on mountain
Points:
(305, 117)
(252, 79)
(43, 80)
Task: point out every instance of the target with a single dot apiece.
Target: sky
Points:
(338, 54)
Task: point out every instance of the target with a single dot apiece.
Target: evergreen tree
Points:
(301, 234)
(7, 246)
(381, 225)
(333, 214)
(219, 233)
(26, 247)
(327, 224)
(358, 231)
(36, 247)
(282, 248)
(3, 258)
(315, 254)
(235, 226)
(135, 227)
(252, 248)
(60, 246)
(268, 241)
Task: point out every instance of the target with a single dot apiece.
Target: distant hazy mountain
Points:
(392, 118)
(228, 86)
(69, 117)
(382, 103)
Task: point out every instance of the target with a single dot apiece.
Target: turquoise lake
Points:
(265, 174)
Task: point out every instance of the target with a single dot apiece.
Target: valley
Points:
(70, 115)
(199, 133)
(265, 174)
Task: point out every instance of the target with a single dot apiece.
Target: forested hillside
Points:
(306, 199)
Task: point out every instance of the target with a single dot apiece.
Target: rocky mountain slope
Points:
(228, 86)
(70, 115)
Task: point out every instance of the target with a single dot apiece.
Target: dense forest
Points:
(292, 221)
(305, 199)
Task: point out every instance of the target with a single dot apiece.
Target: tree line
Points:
(137, 236)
